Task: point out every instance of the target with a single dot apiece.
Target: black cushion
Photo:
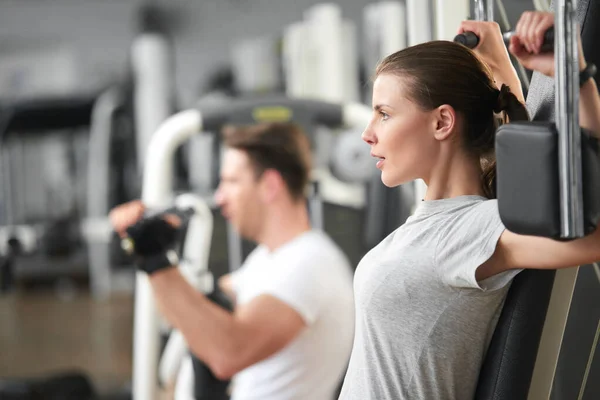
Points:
(508, 365)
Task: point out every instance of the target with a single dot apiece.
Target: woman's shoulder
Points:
(454, 209)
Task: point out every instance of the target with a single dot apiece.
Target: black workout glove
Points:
(153, 242)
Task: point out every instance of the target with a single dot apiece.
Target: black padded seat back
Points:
(508, 365)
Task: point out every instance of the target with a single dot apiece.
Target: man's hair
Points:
(283, 147)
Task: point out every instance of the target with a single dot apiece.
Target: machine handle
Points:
(468, 38)
(471, 40)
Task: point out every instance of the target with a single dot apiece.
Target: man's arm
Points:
(226, 342)
(226, 286)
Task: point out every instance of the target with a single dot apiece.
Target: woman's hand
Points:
(527, 42)
(492, 50)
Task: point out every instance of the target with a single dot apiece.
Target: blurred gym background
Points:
(73, 77)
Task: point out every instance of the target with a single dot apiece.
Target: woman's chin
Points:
(390, 181)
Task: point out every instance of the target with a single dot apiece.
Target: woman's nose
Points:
(369, 136)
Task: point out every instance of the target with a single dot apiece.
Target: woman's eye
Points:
(384, 116)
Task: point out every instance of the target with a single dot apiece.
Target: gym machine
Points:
(157, 193)
(32, 243)
(555, 169)
(124, 118)
(561, 199)
(111, 180)
(40, 234)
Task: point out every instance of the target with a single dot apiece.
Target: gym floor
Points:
(42, 334)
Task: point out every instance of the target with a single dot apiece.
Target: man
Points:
(291, 331)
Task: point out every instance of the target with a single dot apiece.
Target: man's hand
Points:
(527, 42)
(126, 215)
(152, 240)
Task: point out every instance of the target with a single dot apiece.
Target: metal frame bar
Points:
(483, 10)
(570, 179)
(96, 226)
(567, 119)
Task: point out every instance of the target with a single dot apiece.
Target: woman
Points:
(428, 297)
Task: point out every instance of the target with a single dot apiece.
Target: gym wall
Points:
(97, 33)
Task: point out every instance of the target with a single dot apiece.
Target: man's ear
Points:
(271, 185)
(445, 121)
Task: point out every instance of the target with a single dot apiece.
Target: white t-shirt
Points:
(311, 275)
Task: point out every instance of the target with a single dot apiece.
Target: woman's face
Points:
(400, 134)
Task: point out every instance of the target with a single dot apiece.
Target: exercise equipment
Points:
(29, 245)
(255, 64)
(471, 40)
(190, 251)
(41, 231)
(157, 193)
(325, 70)
(111, 181)
(194, 266)
(321, 69)
(152, 65)
(522, 358)
(124, 118)
(537, 210)
(578, 357)
(385, 30)
(483, 10)
(562, 142)
(541, 100)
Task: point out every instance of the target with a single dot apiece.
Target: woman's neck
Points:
(455, 174)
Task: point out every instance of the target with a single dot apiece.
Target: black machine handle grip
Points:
(471, 40)
(468, 38)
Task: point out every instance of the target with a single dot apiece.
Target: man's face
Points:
(238, 194)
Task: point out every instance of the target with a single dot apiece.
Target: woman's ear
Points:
(445, 121)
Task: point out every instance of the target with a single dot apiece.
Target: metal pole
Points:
(567, 121)
(567, 116)
(96, 225)
(490, 10)
(483, 10)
